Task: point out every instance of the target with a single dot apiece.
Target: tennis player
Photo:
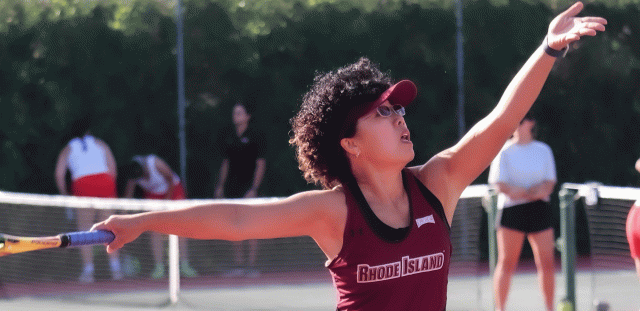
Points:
(158, 182)
(633, 230)
(383, 227)
(93, 174)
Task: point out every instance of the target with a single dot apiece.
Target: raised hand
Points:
(566, 27)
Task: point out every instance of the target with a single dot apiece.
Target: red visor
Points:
(401, 93)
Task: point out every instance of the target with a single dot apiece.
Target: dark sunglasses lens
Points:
(384, 111)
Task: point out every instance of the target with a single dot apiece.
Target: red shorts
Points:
(178, 194)
(633, 231)
(98, 185)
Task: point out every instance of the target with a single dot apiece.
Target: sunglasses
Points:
(386, 111)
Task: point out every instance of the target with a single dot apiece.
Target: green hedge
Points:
(118, 62)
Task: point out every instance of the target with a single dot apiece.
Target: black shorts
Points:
(528, 217)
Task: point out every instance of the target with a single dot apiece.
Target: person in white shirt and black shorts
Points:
(524, 174)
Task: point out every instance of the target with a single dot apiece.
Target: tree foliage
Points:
(116, 60)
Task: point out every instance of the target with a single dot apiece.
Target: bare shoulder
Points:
(65, 151)
(330, 201)
(435, 172)
(63, 156)
(101, 142)
(329, 211)
(435, 175)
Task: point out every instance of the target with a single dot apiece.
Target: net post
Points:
(567, 243)
(174, 265)
(490, 204)
(174, 269)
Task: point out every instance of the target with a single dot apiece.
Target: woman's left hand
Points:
(566, 27)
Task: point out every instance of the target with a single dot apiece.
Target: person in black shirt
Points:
(241, 174)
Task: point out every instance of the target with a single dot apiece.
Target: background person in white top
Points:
(524, 174)
(93, 174)
(158, 181)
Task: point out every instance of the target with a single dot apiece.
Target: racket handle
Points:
(86, 238)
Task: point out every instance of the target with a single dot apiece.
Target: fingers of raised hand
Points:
(593, 19)
(573, 10)
(581, 24)
(582, 28)
(586, 32)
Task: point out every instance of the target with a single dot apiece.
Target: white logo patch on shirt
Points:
(425, 220)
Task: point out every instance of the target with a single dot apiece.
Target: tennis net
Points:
(57, 272)
(612, 271)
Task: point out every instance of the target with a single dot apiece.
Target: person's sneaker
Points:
(158, 272)
(87, 275)
(186, 270)
(252, 273)
(234, 273)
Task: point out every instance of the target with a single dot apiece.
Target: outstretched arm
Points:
(448, 173)
(311, 213)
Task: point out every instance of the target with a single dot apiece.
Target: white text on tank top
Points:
(86, 157)
(156, 183)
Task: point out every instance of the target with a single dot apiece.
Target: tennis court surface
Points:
(309, 291)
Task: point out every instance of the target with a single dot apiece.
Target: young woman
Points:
(524, 172)
(158, 182)
(384, 227)
(93, 174)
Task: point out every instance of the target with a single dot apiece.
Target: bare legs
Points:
(157, 247)
(509, 248)
(239, 248)
(542, 246)
(85, 218)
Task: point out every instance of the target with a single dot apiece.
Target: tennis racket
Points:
(10, 244)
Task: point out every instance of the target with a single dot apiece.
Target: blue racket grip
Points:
(86, 238)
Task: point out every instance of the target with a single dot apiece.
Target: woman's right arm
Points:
(311, 213)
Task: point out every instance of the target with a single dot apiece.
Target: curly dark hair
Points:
(323, 119)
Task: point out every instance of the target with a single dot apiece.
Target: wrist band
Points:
(553, 52)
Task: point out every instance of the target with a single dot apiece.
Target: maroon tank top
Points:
(383, 268)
